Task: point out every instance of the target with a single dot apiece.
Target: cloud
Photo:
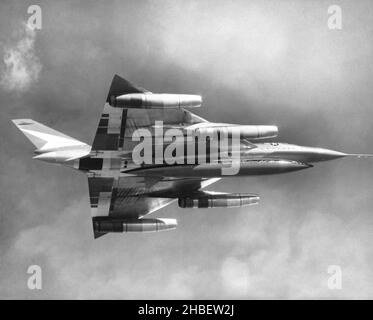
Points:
(235, 276)
(21, 66)
(291, 262)
(80, 261)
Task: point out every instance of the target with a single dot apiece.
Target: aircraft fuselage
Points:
(266, 158)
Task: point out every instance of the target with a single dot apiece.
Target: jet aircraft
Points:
(123, 192)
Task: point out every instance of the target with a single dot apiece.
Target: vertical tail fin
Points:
(43, 137)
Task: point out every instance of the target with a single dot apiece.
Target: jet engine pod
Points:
(244, 131)
(218, 200)
(156, 101)
(135, 225)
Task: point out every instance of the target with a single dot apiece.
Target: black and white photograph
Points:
(186, 150)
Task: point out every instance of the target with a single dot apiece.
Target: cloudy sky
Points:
(257, 62)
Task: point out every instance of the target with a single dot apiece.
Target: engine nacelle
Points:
(136, 225)
(217, 200)
(244, 131)
(156, 101)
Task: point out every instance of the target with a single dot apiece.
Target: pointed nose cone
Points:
(249, 200)
(326, 154)
(267, 131)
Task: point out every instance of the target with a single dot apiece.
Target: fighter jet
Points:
(123, 191)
